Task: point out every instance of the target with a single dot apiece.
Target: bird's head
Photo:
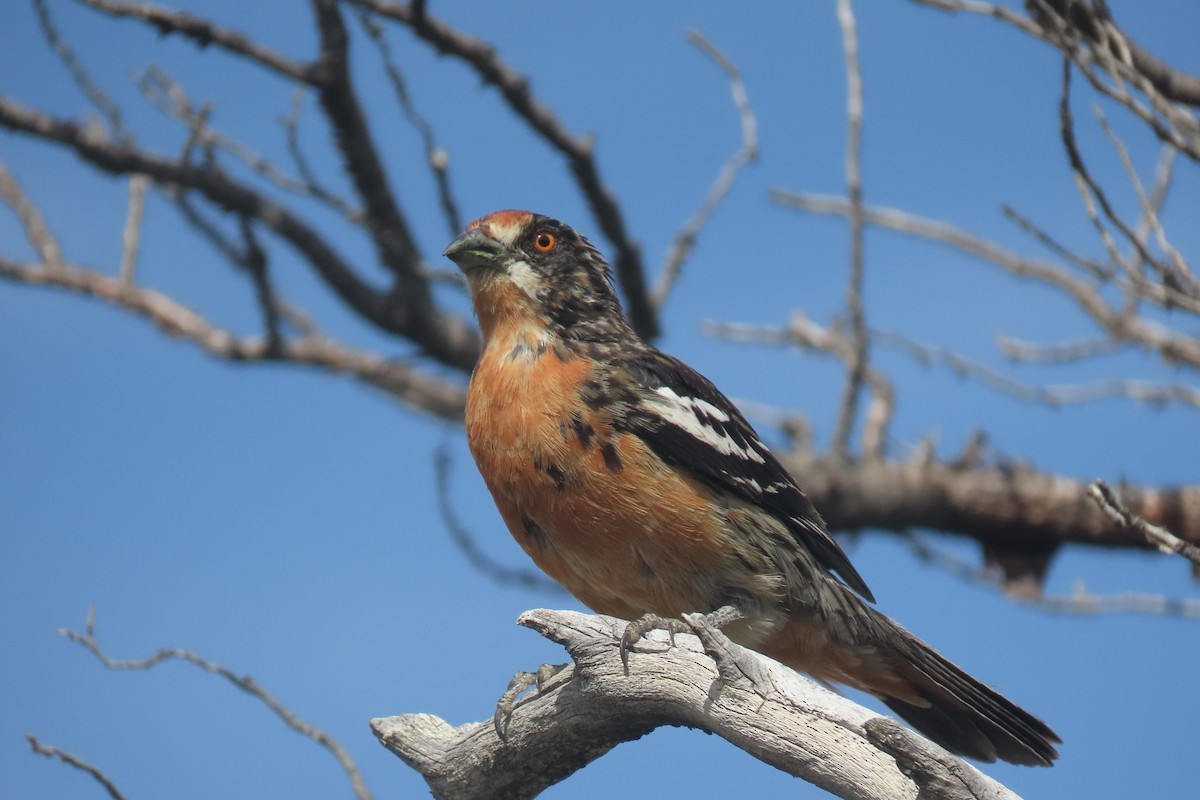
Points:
(527, 268)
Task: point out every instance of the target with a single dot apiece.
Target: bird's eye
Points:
(544, 241)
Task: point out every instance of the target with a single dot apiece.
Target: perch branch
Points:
(771, 712)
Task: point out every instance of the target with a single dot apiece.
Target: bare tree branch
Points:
(804, 333)
(402, 381)
(685, 240)
(1156, 535)
(394, 241)
(1174, 346)
(72, 760)
(169, 97)
(1138, 391)
(1086, 35)
(448, 338)
(36, 232)
(1057, 352)
(760, 706)
(1080, 602)
(1089, 17)
(857, 364)
(132, 233)
(579, 152)
(1005, 505)
(205, 34)
(436, 157)
(309, 183)
(83, 79)
(245, 683)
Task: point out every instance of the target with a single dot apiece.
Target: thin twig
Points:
(1159, 537)
(1097, 42)
(1080, 602)
(1173, 345)
(1099, 271)
(36, 233)
(255, 259)
(1057, 352)
(685, 240)
(446, 337)
(312, 185)
(856, 367)
(95, 95)
(433, 395)
(72, 760)
(1151, 394)
(205, 34)
(170, 98)
(808, 335)
(245, 683)
(131, 235)
(464, 540)
(1089, 191)
(579, 151)
(1149, 218)
(436, 157)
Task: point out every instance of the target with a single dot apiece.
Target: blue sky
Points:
(283, 522)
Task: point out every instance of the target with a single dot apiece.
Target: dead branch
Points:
(685, 239)
(1156, 535)
(1007, 506)
(832, 340)
(1086, 34)
(579, 152)
(1079, 602)
(447, 338)
(758, 705)
(72, 760)
(398, 379)
(245, 683)
(206, 34)
(856, 359)
(1174, 346)
(436, 157)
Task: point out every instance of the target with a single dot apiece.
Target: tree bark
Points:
(761, 706)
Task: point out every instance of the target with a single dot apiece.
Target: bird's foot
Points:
(689, 623)
(519, 683)
(734, 664)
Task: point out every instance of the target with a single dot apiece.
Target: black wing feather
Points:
(764, 482)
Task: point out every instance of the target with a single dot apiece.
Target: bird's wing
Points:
(689, 424)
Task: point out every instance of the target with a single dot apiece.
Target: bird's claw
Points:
(646, 623)
(519, 683)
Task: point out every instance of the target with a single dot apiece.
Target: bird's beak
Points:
(474, 249)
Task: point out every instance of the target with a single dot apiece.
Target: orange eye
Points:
(544, 241)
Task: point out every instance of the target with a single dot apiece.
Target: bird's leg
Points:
(639, 627)
(734, 664)
(519, 683)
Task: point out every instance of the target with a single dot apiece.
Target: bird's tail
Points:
(956, 710)
(874, 654)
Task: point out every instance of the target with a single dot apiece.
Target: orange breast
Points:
(597, 511)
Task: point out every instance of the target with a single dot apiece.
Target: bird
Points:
(633, 482)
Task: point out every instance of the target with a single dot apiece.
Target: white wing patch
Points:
(697, 417)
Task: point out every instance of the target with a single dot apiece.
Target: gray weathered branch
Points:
(771, 712)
